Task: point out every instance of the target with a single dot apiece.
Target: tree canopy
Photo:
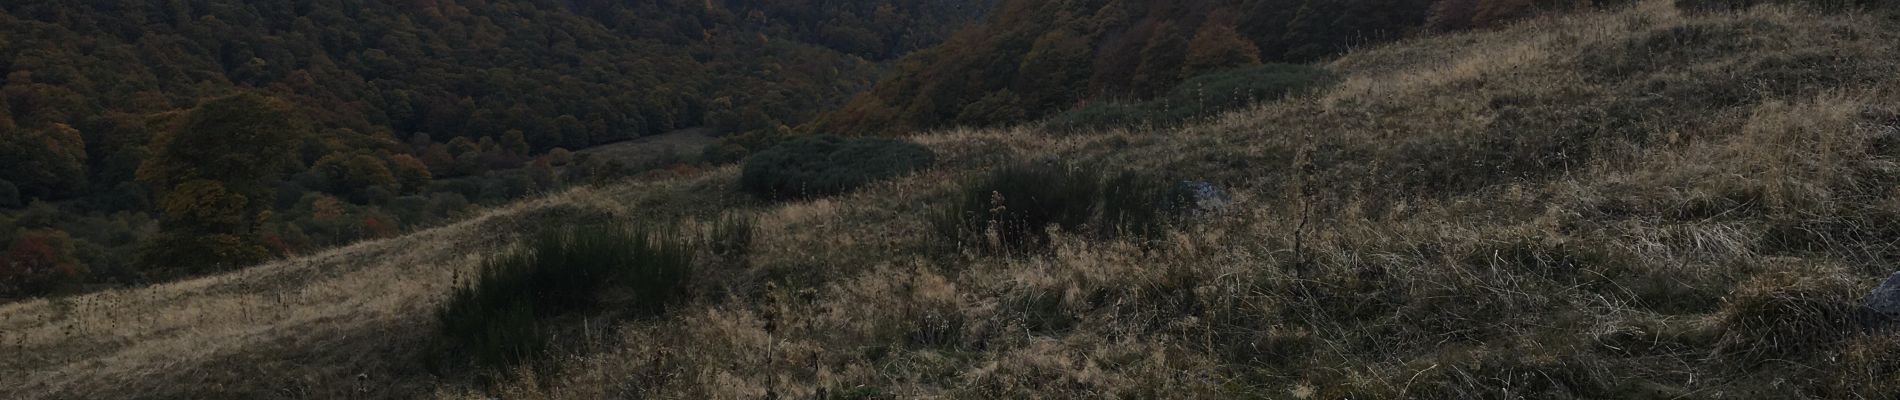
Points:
(1055, 55)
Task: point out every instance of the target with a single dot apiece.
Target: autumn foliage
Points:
(38, 262)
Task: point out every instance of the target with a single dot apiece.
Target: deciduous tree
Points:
(47, 162)
(411, 173)
(1218, 46)
(37, 262)
(206, 172)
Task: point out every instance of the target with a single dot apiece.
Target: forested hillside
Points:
(1033, 58)
(361, 118)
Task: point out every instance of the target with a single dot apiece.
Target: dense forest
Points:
(145, 139)
(1035, 58)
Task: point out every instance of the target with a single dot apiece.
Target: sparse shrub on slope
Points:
(496, 320)
(826, 165)
(1012, 208)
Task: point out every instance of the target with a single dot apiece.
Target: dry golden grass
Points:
(349, 322)
(1635, 203)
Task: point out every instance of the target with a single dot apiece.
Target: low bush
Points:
(1199, 97)
(827, 165)
(497, 319)
(1012, 208)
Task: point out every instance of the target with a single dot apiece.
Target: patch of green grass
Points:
(826, 165)
(497, 319)
(1199, 97)
(1011, 209)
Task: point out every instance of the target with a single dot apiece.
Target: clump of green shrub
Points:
(1101, 116)
(1011, 208)
(1139, 205)
(826, 165)
(498, 319)
(1198, 97)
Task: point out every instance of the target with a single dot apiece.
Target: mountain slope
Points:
(1630, 204)
(395, 102)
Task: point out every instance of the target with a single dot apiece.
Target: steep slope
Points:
(1631, 204)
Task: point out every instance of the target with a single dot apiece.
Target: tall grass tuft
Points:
(1012, 208)
(826, 165)
(731, 236)
(497, 320)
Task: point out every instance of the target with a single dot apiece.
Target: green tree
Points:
(9, 195)
(1056, 66)
(6, 113)
(226, 152)
(439, 160)
(1161, 60)
(542, 172)
(242, 141)
(38, 261)
(572, 133)
(1218, 46)
(206, 228)
(46, 163)
(354, 175)
(515, 142)
(412, 173)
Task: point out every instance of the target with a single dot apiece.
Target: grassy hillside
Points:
(1638, 203)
